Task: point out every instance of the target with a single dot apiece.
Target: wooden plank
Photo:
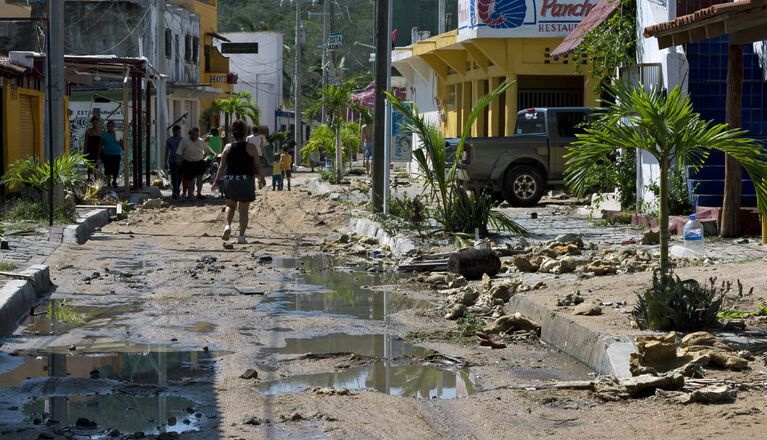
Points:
(732, 169)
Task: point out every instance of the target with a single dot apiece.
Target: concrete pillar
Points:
(511, 105)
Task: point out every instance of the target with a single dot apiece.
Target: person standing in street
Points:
(286, 161)
(171, 147)
(191, 157)
(236, 176)
(111, 152)
(92, 146)
(367, 146)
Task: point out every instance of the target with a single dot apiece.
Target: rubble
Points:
(509, 323)
(455, 311)
(571, 299)
(709, 394)
(587, 309)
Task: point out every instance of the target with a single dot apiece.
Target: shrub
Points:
(679, 202)
(683, 305)
(37, 211)
(471, 211)
(31, 172)
(413, 211)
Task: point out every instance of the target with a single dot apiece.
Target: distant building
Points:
(259, 71)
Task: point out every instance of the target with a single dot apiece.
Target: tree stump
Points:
(472, 263)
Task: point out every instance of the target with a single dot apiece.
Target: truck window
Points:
(570, 123)
(531, 123)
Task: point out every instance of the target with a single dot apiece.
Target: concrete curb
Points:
(18, 296)
(604, 353)
(84, 226)
(399, 244)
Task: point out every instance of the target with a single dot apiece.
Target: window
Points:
(570, 123)
(188, 48)
(195, 50)
(168, 43)
(531, 122)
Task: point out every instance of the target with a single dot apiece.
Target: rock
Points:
(565, 249)
(656, 351)
(344, 238)
(82, 422)
(571, 299)
(694, 368)
(697, 338)
(171, 421)
(255, 421)
(94, 374)
(229, 246)
(249, 374)
(646, 384)
(153, 204)
(473, 263)
(609, 389)
(487, 282)
(568, 264)
(601, 268)
(523, 264)
(587, 309)
(720, 358)
(465, 295)
(734, 324)
(455, 311)
(458, 281)
(549, 265)
(168, 436)
(45, 435)
(115, 433)
(139, 434)
(504, 291)
(651, 237)
(295, 417)
(710, 394)
(570, 238)
(508, 323)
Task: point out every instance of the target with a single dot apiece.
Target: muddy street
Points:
(155, 329)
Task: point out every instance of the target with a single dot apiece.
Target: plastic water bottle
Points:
(693, 236)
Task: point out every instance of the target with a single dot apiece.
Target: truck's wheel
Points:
(523, 186)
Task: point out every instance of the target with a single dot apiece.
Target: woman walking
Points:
(92, 146)
(239, 166)
(110, 154)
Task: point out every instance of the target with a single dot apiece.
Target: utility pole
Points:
(55, 84)
(388, 125)
(383, 42)
(324, 52)
(441, 17)
(161, 102)
(298, 134)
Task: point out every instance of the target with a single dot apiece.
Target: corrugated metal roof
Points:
(703, 14)
(601, 12)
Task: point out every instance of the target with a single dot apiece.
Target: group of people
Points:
(102, 147)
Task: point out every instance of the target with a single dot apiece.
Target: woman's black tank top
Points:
(239, 162)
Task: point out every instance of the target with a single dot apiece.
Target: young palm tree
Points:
(336, 99)
(664, 125)
(240, 105)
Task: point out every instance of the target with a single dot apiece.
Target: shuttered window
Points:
(26, 137)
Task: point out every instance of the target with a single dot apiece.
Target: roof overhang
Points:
(744, 21)
(596, 16)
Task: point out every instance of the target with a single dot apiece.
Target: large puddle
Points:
(376, 346)
(125, 413)
(58, 316)
(140, 364)
(321, 285)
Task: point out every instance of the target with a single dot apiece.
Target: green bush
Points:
(470, 211)
(683, 305)
(37, 212)
(413, 211)
(67, 172)
(679, 202)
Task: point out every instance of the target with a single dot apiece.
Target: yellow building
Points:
(447, 74)
(23, 113)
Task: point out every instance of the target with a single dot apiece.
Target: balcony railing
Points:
(650, 75)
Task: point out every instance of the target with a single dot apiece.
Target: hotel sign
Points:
(520, 18)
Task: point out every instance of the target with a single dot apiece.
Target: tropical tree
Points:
(664, 125)
(240, 105)
(458, 211)
(337, 100)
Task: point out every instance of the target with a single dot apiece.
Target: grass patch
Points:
(6, 266)
(36, 212)
(463, 333)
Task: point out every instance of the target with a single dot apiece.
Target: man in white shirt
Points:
(258, 138)
(190, 156)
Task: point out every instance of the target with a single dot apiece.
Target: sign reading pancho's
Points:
(520, 18)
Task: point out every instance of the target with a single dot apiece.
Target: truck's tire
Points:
(523, 186)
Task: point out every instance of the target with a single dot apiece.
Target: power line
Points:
(129, 34)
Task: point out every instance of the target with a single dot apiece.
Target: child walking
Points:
(286, 162)
(276, 173)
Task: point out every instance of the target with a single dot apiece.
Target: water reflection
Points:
(375, 346)
(397, 380)
(128, 414)
(60, 316)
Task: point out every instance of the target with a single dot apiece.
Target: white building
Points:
(259, 73)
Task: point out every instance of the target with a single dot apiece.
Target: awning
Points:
(601, 12)
(745, 22)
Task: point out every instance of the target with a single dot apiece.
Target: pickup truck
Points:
(521, 167)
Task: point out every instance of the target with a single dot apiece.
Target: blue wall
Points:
(708, 89)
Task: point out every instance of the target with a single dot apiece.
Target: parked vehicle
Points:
(521, 167)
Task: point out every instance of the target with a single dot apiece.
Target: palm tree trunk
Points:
(663, 221)
(339, 156)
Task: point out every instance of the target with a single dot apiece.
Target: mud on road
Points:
(155, 328)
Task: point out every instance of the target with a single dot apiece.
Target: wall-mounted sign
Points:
(520, 18)
(335, 40)
(218, 79)
(239, 48)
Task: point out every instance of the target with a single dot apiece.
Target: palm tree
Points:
(336, 99)
(240, 105)
(664, 125)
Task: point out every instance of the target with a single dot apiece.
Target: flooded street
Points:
(158, 332)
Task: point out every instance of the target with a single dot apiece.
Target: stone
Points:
(229, 246)
(656, 352)
(651, 237)
(549, 265)
(171, 421)
(487, 282)
(295, 417)
(45, 436)
(455, 311)
(609, 389)
(568, 264)
(523, 264)
(508, 323)
(720, 358)
(344, 238)
(504, 291)
(697, 338)
(458, 281)
(601, 268)
(570, 238)
(153, 204)
(473, 263)
(587, 309)
(82, 422)
(571, 299)
(254, 421)
(710, 394)
(465, 295)
(249, 374)
(646, 384)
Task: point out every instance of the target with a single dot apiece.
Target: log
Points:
(473, 263)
